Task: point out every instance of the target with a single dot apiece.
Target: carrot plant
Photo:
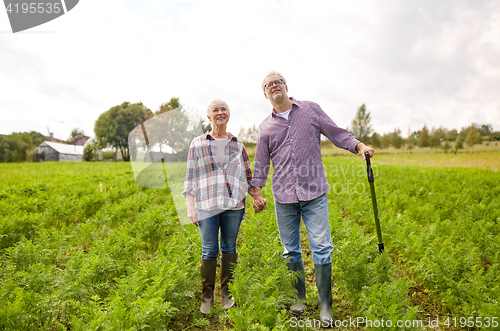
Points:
(82, 247)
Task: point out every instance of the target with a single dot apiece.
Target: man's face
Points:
(278, 91)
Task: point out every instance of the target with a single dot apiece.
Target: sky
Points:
(412, 63)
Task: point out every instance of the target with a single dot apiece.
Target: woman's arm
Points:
(192, 214)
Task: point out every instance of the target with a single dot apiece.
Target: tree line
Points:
(440, 137)
(112, 129)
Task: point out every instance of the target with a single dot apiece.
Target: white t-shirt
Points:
(285, 114)
(219, 156)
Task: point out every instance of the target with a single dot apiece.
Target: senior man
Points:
(290, 137)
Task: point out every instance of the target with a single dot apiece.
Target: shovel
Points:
(374, 202)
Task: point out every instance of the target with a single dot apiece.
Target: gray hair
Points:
(214, 101)
(272, 73)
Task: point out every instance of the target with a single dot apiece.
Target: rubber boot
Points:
(300, 287)
(324, 284)
(227, 263)
(207, 270)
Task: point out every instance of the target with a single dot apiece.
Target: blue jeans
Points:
(229, 223)
(315, 215)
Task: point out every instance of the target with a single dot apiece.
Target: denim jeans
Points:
(315, 215)
(229, 223)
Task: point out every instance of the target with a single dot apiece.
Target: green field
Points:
(84, 248)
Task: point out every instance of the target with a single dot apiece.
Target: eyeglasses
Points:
(275, 83)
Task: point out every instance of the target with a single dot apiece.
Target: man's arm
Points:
(262, 163)
(338, 136)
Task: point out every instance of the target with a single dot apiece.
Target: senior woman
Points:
(218, 176)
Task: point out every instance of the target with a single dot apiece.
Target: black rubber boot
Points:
(207, 270)
(324, 284)
(227, 263)
(300, 287)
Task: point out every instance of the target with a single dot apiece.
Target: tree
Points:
(459, 142)
(446, 147)
(169, 130)
(75, 134)
(2, 149)
(471, 138)
(452, 135)
(440, 132)
(361, 127)
(172, 104)
(249, 135)
(423, 137)
(385, 140)
(409, 141)
(375, 140)
(88, 153)
(396, 139)
(435, 141)
(113, 127)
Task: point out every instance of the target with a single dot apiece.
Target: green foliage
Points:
(459, 142)
(386, 140)
(82, 247)
(88, 153)
(446, 147)
(360, 125)
(113, 127)
(262, 283)
(249, 135)
(14, 147)
(473, 137)
(396, 139)
(75, 134)
(409, 142)
(435, 141)
(171, 105)
(375, 140)
(423, 137)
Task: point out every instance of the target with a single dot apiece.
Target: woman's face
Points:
(219, 113)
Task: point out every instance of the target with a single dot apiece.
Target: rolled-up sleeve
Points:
(261, 162)
(191, 180)
(248, 170)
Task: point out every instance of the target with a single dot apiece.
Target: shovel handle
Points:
(369, 168)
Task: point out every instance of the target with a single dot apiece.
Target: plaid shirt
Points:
(217, 186)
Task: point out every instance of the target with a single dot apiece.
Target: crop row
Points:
(83, 247)
(442, 226)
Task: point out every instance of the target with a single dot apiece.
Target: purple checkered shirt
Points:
(217, 186)
(294, 146)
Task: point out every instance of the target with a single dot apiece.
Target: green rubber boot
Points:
(300, 287)
(324, 284)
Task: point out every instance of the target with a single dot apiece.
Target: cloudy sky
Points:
(410, 62)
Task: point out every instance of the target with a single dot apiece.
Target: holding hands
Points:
(259, 203)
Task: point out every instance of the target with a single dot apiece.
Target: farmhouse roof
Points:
(63, 148)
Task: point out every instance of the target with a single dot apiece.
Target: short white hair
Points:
(272, 73)
(214, 101)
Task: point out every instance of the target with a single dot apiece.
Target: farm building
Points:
(51, 151)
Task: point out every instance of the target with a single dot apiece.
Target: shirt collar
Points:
(294, 102)
(208, 136)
